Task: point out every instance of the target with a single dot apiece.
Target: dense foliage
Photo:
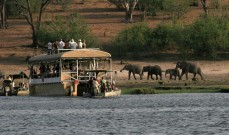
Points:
(206, 37)
(202, 39)
(133, 39)
(175, 8)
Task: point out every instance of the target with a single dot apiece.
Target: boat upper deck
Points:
(76, 53)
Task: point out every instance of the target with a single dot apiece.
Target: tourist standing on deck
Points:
(73, 44)
(49, 48)
(84, 44)
(55, 47)
(80, 44)
(61, 44)
(66, 46)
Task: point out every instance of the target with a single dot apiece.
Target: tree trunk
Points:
(129, 16)
(145, 11)
(129, 6)
(28, 14)
(31, 22)
(204, 4)
(3, 14)
(34, 37)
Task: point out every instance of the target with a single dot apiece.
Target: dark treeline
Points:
(202, 39)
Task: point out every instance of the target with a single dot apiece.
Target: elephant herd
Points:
(186, 67)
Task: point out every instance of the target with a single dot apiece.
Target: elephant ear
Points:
(185, 65)
(127, 65)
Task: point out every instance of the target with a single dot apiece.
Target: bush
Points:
(66, 28)
(206, 37)
(144, 91)
(133, 39)
(176, 8)
(165, 37)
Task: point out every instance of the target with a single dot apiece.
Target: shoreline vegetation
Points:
(175, 89)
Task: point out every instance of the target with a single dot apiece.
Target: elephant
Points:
(172, 72)
(153, 70)
(135, 69)
(189, 67)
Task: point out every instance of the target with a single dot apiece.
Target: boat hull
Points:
(113, 93)
(51, 89)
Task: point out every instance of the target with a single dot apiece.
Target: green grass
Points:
(168, 90)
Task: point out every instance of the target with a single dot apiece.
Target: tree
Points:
(149, 7)
(204, 4)
(128, 5)
(29, 9)
(175, 8)
(3, 14)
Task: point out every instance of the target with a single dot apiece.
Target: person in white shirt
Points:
(61, 44)
(49, 47)
(80, 44)
(73, 44)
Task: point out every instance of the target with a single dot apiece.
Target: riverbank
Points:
(216, 74)
(172, 89)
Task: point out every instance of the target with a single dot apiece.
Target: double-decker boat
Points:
(78, 72)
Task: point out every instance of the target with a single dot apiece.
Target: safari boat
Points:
(9, 87)
(78, 72)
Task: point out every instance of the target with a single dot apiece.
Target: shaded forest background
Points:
(188, 28)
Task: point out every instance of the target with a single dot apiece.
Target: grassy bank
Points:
(169, 90)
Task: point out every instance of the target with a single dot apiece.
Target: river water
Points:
(161, 114)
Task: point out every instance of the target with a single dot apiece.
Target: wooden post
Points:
(76, 82)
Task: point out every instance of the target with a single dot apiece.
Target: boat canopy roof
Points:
(75, 54)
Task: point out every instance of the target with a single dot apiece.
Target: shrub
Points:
(133, 39)
(176, 8)
(165, 37)
(206, 37)
(144, 91)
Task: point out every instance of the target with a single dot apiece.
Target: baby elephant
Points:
(153, 70)
(172, 72)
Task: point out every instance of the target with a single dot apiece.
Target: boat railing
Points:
(45, 75)
(66, 50)
(81, 77)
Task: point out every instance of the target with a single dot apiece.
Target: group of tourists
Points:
(102, 85)
(45, 71)
(53, 46)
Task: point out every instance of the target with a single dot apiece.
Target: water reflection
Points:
(129, 114)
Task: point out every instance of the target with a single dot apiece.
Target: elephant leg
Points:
(148, 76)
(140, 76)
(170, 77)
(152, 76)
(134, 76)
(194, 75)
(161, 77)
(202, 78)
(201, 75)
(186, 74)
(181, 75)
(156, 77)
(129, 75)
(175, 77)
